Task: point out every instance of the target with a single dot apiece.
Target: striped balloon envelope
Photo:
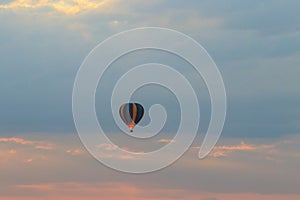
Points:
(131, 114)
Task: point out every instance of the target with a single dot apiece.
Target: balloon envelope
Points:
(131, 114)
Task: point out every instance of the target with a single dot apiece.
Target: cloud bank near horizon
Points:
(67, 169)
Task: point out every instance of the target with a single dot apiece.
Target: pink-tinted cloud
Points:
(122, 190)
(222, 151)
(108, 147)
(12, 152)
(176, 182)
(17, 140)
(75, 151)
(36, 187)
(36, 144)
(29, 160)
(111, 151)
(166, 141)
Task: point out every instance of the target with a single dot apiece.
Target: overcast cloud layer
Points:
(255, 45)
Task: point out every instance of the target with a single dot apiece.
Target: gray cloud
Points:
(256, 50)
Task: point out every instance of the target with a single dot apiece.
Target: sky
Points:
(255, 45)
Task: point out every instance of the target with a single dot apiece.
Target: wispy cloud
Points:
(69, 158)
(36, 144)
(220, 151)
(75, 151)
(69, 7)
(226, 150)
(123, 190)
(29, 160)
(17, 140)
(110, 151)
(12, 152)
(166, 141)
(16, 150)
(108, 190)
(36, 186)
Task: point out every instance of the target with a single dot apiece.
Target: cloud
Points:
(77, 174)
(221, 151)
(242, 47)
(12, 151)
(17, 140)
(15, 151)
(36, 187)
(36, 144)
(226, 150)
(75, 152)
(108, 147)
(166, 141)
(110, 151)
(29, 160)
(124, 190)
(49, 147)
(68, 7)
(108, 190)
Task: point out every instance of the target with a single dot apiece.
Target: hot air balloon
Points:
(131, 114)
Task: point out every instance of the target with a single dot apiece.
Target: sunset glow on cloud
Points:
(220, 151)
(69, 7)
(119, 190)
(166, 141)
(20, 152)
(35, 144)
